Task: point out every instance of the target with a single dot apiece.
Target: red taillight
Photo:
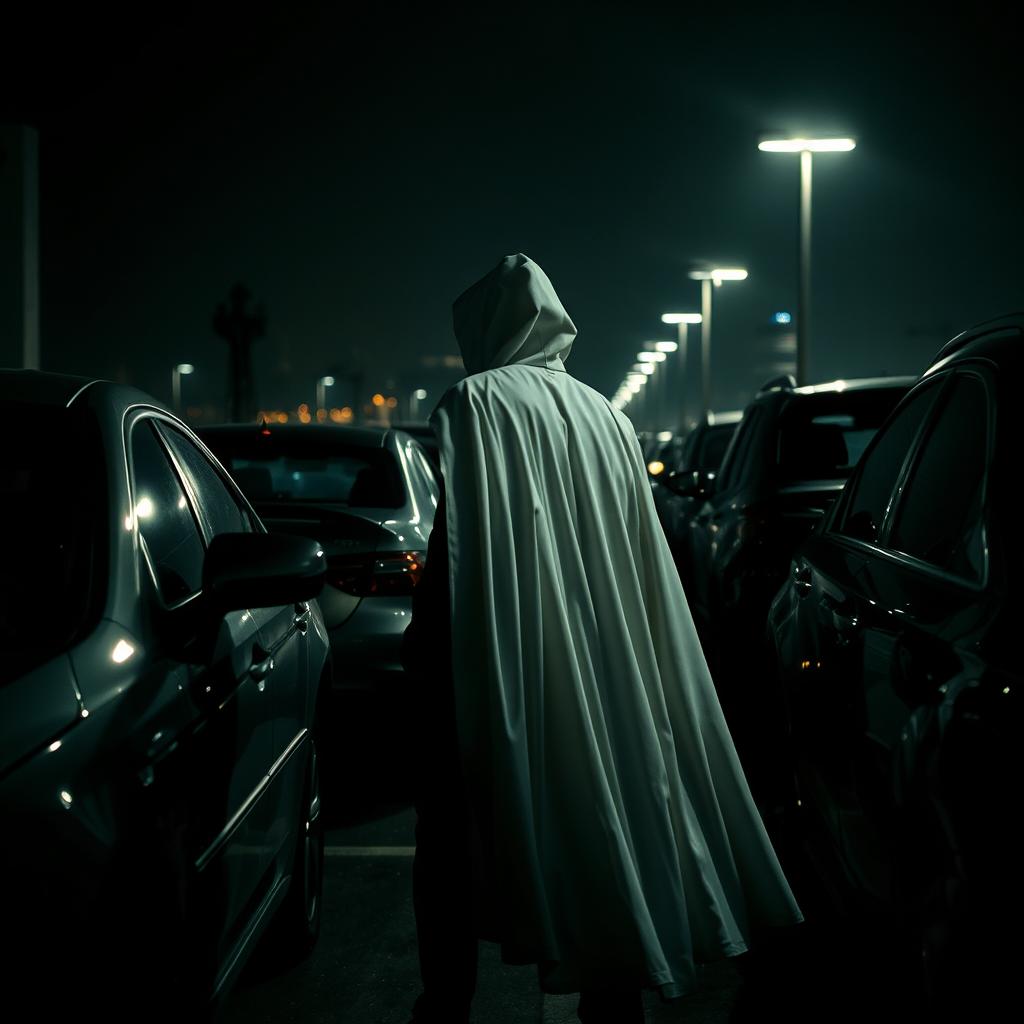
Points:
(389, 573)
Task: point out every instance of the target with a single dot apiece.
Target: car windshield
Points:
(53, 522)
(822, 436)
(299, 469)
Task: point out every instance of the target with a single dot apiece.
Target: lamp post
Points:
(634, 385)
(713, 276)
(182, 369)
(805, 147)
(414, 403)
(322, 384)
(654, 361)
(682, 322)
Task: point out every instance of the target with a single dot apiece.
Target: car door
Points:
(887, 612)
(280, 657)
(213, 766)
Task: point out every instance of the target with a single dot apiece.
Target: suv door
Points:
(892, 589)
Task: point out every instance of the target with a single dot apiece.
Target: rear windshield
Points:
(286, 469)
(823, 436)
(52, 533)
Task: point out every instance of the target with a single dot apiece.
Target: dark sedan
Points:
(163, 664)
(369, 495)
(898, 645)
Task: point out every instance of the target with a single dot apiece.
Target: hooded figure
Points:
(620, 840)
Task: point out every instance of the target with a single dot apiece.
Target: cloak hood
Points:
(512, 316)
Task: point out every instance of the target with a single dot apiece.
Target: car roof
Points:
(857, 384)
(728, 418)
(985, 340)
(41, 387)
(364, 437)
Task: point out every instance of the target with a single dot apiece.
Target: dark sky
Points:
(358, 171)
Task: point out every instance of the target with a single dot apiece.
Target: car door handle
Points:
(262, 666)
(802, 580)
(302, 616)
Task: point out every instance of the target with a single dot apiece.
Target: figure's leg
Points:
(443, 881)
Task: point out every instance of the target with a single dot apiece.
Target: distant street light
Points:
(414, 403)
(713, 275)
(682, 322)
(322, 384)
(805, 147)
(182, 369)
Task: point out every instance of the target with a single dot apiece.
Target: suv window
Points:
(713, 446)
(869, 501)
(734, 462)
(939, 516)
(165, 518)
(217, 505)
(822, 435)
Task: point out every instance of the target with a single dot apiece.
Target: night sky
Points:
(358, 171)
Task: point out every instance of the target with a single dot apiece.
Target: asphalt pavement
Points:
(364, 969)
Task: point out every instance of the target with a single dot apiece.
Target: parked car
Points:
(897, 644)
(163, 665)
(369, 496)
(424, 433)
(701, 451)
(788, 459)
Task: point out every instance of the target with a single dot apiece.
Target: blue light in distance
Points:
(783, 318)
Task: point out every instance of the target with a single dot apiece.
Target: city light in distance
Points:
(681, 318)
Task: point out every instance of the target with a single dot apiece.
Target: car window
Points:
(868, 502)
(275, 468)
(165, 520)
(713, 447)
(822, 436)
(735, 459)
(217, 505)
(939, 517)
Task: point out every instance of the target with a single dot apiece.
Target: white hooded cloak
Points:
(626, 845)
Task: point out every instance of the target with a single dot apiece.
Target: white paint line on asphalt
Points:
(369, 851)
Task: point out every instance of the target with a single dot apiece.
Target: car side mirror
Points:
(692, 484)
(261, 570)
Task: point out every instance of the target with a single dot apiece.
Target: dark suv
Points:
(897, 647)
(789, 458)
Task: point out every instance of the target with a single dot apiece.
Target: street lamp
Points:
(414, 402)
(682, 322)
(713, 275)
(322, 384)
(657, 393)
(805, 147)
(182, 369)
